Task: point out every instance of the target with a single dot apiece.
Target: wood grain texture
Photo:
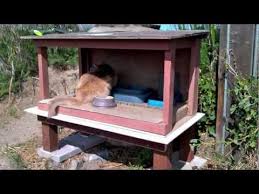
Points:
(151, 35)
(43, 72)
(49, 137)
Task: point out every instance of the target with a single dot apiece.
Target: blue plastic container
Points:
(131, 94)
(155, 103)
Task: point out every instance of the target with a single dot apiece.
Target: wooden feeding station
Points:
(162, 68)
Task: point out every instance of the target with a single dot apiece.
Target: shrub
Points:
(243, 127)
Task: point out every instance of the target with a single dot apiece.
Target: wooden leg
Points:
(169, 72)
(49, 137)
(186, 153)
(194, 76)
(162, 160)
(43, 72)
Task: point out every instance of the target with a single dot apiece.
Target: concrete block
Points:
(65, 152)
(61, 154)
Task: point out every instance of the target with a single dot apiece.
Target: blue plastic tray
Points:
(131, 94)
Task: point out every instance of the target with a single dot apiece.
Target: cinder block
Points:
(65, 152)
(61, 154)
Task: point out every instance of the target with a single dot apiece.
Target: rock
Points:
(75, 165)
(94, 157)
(90, 166)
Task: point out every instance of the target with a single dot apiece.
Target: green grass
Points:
(14, 157)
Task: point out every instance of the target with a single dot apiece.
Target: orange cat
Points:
(98, 82)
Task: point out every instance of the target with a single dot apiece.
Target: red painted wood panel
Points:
(194, 76)
(106, 44)
(43, 72)
(185, 152)
(168, 98)
(163, 160)
(157, 128)
(84, 60)
(134, 67)
(106, 134)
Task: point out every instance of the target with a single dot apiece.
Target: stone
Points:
(94, 157)
(90, 166)
(198, 162)
(75, 165)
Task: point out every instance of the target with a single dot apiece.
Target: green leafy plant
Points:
(63, 58)
(144, 158)
(243, 127)
(207, 81)
(18, 57)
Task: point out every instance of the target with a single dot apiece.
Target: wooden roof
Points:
(151, 35)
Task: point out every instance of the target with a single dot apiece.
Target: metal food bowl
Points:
(107, 101)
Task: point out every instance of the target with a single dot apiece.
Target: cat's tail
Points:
(64, 100)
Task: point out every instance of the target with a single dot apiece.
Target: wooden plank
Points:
(167, 35)
(183, 43)
(49, 137)
(194, 76)
(185, 152)
(43, 72)
(180, 127)
(163, 160)
(168, 94)
(84, 60)
(158, 128)
(136, 112)
(105, 134)
(106, 44)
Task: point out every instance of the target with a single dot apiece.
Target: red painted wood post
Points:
(163, 160)
(194, 76)
(169, 72)
(49, 137)
(185, 152)
(43, 72)
(84, 60)
(49, 132)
